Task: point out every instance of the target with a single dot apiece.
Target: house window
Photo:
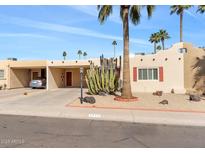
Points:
(148, 74)
(1, 74)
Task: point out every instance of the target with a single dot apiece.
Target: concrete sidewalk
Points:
(134, 116)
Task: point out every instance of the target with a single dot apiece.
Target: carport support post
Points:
(81, 85)
(47, 75)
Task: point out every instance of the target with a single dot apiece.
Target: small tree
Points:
(154, 38)
(79, 54)
(85, 54)
(64, 55)
(163, 35)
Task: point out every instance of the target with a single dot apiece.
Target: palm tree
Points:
(154, 38)
(201, 9)
(114, 43)
(163, 35)
(179, 10)
(85, 54)
(134, 13)
(79, 54)
(64, 55)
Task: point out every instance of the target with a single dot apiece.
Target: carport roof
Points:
(28, 64)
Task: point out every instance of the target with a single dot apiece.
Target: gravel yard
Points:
(178, 102)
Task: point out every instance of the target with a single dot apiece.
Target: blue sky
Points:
(44, 32)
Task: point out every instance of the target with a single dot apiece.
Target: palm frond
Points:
(150, 10)
(163, 34)
(154, 38)
(201, 9)
(179, 9)
(135, 14)
(104, 12)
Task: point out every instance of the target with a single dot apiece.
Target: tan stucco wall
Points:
(28, 64)
(73, 63)
(54, 78)
(57, 77)
(173, 70)
(4, 66)
(194, 60)
(19, 78)
(76, 76)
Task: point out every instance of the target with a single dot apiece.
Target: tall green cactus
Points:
(101, 79)
(102, 75)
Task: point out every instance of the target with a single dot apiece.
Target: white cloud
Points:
(64, 29)
(115, 17)
(25, 35)
(191, 14)
(92, 11)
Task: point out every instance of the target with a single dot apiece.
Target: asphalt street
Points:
(28, 131)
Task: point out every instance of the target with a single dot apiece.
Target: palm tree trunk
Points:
(155, 47)
(162, 44)
(181, 26)
(126, 89)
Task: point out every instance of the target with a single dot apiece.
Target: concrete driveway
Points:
(38, 97)
(16, 92)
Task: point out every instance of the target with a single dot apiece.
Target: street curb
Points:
(146, 117)
(135, 108)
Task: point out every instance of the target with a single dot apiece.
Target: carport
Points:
(65, 77)
(22, 73)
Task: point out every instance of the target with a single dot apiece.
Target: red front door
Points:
(68, 78)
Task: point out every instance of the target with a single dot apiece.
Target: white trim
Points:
(148, 73)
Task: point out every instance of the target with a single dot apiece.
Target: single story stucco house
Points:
(180, 68)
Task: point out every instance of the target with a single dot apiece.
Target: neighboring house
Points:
(59, 74)
(181, 68)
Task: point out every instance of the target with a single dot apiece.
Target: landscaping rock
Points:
(172, 91)
(194, 97)
(164, 102)
(157, 93)
(101, 93)
(90, 100)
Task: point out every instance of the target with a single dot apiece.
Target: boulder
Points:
(164, 102)
(157, 93)
(89, 99)
(194, 97)
(101, 93)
